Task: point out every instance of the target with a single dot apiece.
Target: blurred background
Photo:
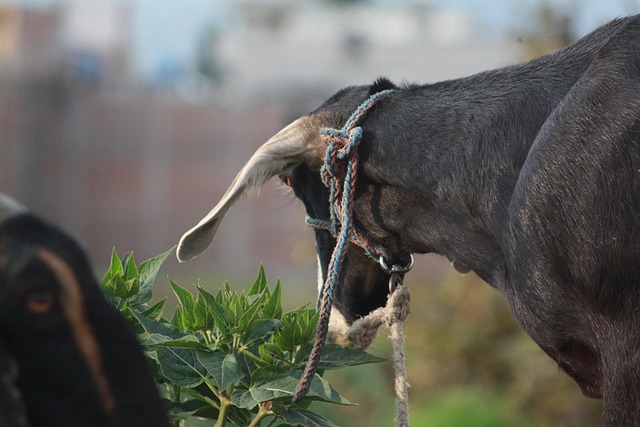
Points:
(125, 121)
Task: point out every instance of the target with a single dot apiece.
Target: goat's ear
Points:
(287, 149)
(9, 207)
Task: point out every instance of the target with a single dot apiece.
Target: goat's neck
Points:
(457, 148)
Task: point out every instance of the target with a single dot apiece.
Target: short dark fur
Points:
(380, 85)
(53, 377)
(529, 175)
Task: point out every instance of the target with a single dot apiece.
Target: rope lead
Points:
(339, 174)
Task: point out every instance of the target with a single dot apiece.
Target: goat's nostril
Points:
(39, 302)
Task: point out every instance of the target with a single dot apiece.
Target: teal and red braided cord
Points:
(339, 174)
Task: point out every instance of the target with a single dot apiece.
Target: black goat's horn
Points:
(284, 151)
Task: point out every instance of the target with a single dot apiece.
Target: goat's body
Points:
(573, 252)
(528, 175)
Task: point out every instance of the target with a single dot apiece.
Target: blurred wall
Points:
(129, 163)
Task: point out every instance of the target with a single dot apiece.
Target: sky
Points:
(166, 32)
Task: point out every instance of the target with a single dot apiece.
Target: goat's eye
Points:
(39, 302)
(286, 179)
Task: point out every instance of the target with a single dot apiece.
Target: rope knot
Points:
(365, 329)
(399, 304)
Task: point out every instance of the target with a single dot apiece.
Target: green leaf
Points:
(260, 331)
(217, 309)
(155, 339)
(186, 342)
(177, 320)
(236, 310)
(201, 317)
(187, 304)
(222, 367)
(260, 284)
(112, 283)
(149, 269)
(155, 311)
(274, 350)
(146, 275)
(130, 271)
(115, 267)
(299, 327)
(180, 366)
(265, 355)
(207, 298)
(338, 357)
(249, 315)
(131, 288)
(183, 410)
(273, 306)
(241, 397)
(267, 384)
(303, 417)
(240, 416)
(152, 326)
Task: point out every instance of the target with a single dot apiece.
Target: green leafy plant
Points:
(232, 357)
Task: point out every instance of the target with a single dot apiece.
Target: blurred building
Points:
(30, 93)
(302, 52)
(95, 42)
(280, 49)
(123, 164)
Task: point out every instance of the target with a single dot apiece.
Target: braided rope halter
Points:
(339, 175)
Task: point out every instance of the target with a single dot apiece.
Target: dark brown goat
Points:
(528, 175)
(68, 358)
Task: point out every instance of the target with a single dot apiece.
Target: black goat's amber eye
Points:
(39, 302)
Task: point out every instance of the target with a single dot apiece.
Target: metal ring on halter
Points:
(395, 281)
(395, 268)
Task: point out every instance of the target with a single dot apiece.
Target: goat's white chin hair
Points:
(339, 329)
(320, 278)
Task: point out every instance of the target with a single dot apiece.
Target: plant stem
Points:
(253, 357)
(263, 412)
(222, 416)
(176, 398)
(236, 342)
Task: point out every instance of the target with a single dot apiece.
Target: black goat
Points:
(528, 175)
(68, 358)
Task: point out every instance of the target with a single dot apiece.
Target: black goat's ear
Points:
(381, 84)
(9, 208)
(284, 151)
